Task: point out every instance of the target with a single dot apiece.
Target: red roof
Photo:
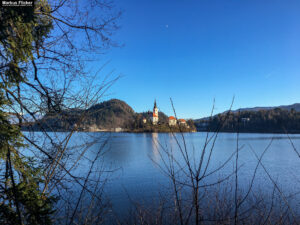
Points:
(154, 115)
(172, 118)
(182, 120)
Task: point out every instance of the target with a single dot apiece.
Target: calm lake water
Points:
(137, 161)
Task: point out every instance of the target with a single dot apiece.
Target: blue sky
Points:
(195, 51)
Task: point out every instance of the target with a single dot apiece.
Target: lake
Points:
(136, 162)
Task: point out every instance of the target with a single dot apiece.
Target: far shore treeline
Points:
(117, 115)
(274, 120)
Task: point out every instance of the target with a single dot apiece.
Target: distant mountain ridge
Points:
(295, 106)
(280, 119)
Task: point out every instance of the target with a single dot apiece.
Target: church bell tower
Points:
(155, 114)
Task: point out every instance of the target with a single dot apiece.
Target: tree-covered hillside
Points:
(106, 115)
(273, 121)
(110, 114)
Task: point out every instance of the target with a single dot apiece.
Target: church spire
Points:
(155, 113)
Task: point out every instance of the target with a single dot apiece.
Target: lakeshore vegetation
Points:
(276, 120)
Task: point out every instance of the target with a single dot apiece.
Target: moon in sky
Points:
(167, 25)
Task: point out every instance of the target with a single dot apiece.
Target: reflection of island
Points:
(155, 147)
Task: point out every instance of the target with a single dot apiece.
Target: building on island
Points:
(172, 121)
(154, 117)
(182, 122)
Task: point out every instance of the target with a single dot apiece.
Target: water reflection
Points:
(155, 147)
(139, 154)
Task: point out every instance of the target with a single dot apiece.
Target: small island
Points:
(156, 122)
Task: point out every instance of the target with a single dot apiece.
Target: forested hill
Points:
(274, 120)
(110, 114)
(106, 115)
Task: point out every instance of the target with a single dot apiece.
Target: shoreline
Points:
(148, 132)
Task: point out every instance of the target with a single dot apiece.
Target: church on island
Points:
(154, 117)
(172, 121)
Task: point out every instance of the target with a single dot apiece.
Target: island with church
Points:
(155, 121)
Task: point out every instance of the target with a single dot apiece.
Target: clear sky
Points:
(195, 51)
